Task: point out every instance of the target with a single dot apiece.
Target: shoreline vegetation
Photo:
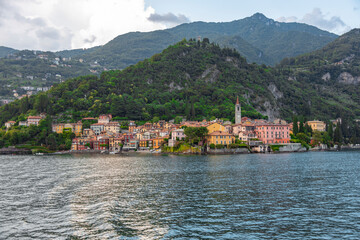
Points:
(189, 150)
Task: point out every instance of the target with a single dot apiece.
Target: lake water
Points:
(274, 196)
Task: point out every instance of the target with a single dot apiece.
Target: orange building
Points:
(157, 142)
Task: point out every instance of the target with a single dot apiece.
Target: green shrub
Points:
(233, 145)
(212, 146)
(275, 148)
(219, 146)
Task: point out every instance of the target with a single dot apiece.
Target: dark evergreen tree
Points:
(338, 138)
(295, 126)
(301, 127)
(330, 130)
(308, 129)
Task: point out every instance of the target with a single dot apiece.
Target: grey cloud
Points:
(168, 18)
(48, 32)
(91, 39)
(38, 22)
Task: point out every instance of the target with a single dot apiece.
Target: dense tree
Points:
(195, 134)
(295, 126)
(338, 138)
(330, 130)
(301, 127)
(41, 102)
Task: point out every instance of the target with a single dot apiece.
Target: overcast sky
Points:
(69, 24)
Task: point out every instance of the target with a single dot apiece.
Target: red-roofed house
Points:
(33, 120)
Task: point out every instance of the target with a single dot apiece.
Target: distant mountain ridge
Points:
(258, 38)
(4, 51)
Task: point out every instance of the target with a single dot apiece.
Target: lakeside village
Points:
(211, 137)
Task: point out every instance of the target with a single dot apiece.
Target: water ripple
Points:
(287, 196)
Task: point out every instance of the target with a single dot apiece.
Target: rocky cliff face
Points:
(347, 78)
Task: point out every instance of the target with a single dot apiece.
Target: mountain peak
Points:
(259, 16)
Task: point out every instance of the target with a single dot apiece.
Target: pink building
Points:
(273, 133)
(178, 134)
(105, 118)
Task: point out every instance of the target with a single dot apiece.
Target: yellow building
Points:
(58, 128)
(113, 127)
(220, 137)
(216, 127)
(74, 127)
(77, 128)
(157, 142)
(317, 125)
(145, 143)
(114, 144)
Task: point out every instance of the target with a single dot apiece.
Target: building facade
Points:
(220, 137)
(317, 125)
(273, 133)
(97, 128)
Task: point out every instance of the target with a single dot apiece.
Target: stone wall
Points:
(292, 147)
(228, 151)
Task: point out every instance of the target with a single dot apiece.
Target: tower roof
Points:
(237, 101)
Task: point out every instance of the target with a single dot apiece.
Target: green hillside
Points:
(4, 51)
(334, 71)
(37, 69)
(193, 79)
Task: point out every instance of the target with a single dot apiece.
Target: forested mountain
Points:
(334, 71)
(344, 52)
(4, 51)
(25, 70)
(197, 80)
(257, 38)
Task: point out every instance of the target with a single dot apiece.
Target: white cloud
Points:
(320, 20)
(63, 24)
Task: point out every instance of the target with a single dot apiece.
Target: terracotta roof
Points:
(34, 117)
(220, 133)
(113, 123)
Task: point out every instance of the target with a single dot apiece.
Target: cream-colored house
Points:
(317, 125)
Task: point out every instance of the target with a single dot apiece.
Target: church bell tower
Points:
(237, 111)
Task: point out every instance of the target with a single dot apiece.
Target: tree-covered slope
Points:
(193, 79)
(4, 51)
(334, 71)
(37, 69)
(257, 38)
